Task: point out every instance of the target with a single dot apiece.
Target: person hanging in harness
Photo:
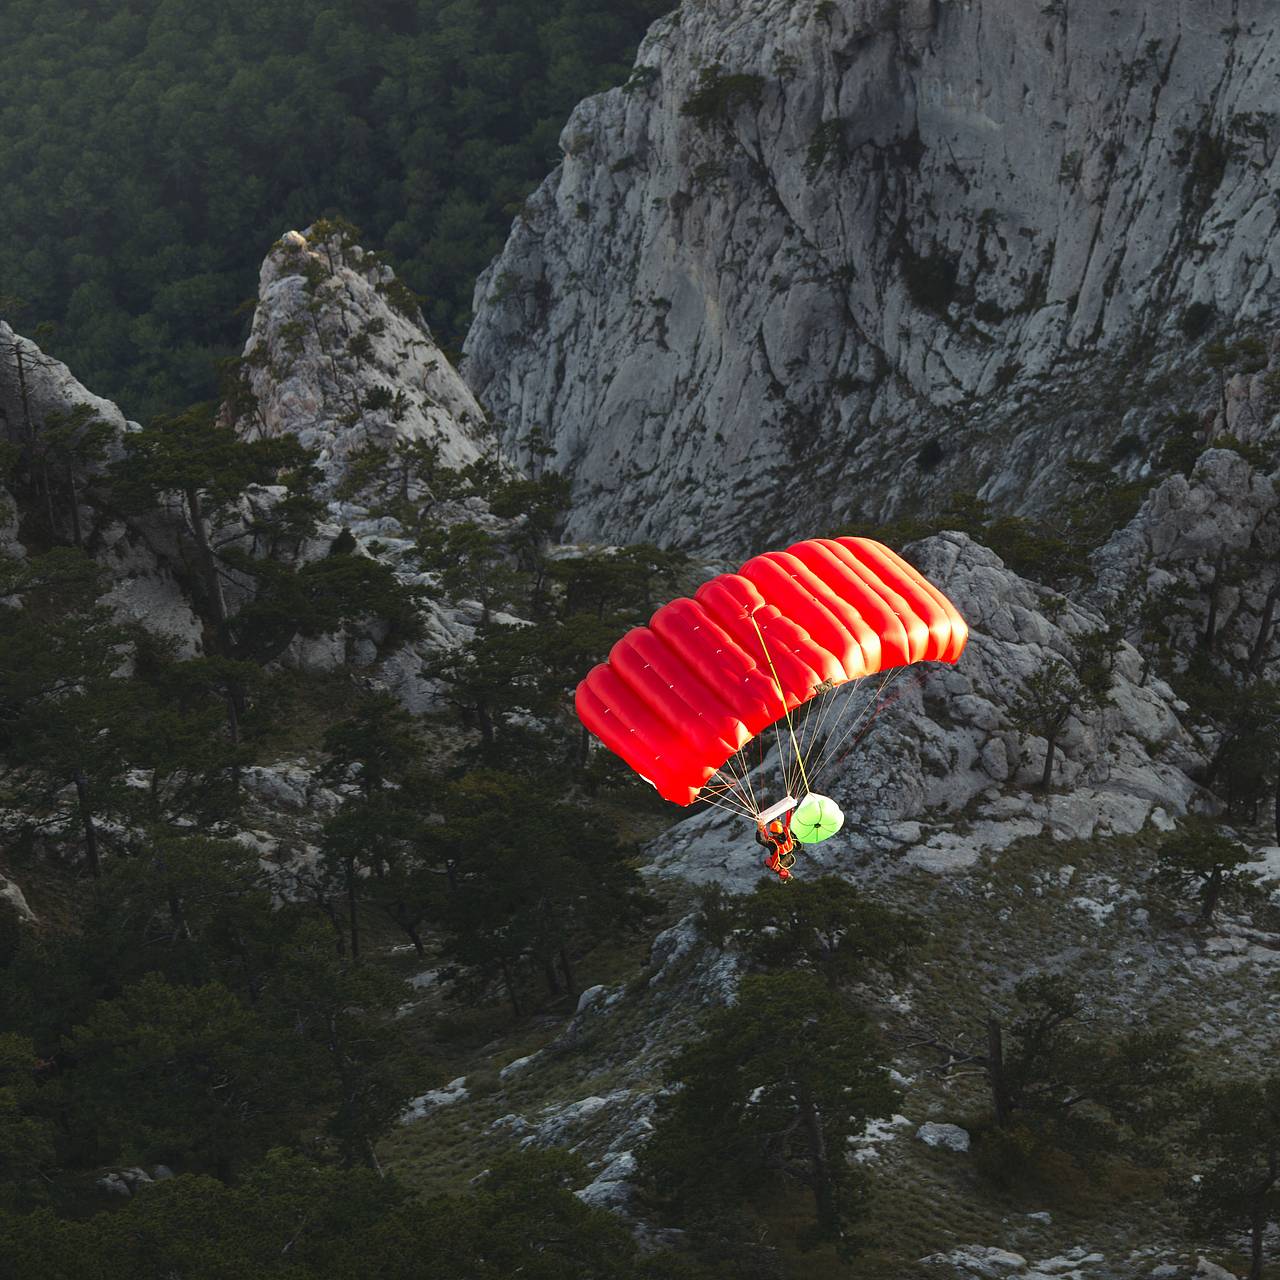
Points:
(781, 844)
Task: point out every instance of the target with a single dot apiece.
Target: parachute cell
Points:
(678, 698)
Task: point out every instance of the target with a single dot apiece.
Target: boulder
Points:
(950, 1137)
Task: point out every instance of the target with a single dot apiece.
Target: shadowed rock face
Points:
(885, 224)
(1213, 535)
(35, 388)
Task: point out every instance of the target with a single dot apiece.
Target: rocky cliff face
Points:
(340, 357)
(944, 814)
(36, 389)
(876, 250)
(1203, 544)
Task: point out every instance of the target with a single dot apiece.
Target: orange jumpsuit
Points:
(781, 845)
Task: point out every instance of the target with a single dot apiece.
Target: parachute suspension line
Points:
(834, 702)
(759, 765)
(840, 732)
(813, 721)
(782, 698)
(873, 710)
(784, 764)
(838, 735)
(744, 766)
(719, 804)
(731, 781)
(806, 719)
(738, 769)
(720, 793)
(728, 787)
(837, 696)
(866, 718)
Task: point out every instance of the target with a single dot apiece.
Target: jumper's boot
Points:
(780, 864)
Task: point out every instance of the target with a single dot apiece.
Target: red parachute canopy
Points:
(679, 697)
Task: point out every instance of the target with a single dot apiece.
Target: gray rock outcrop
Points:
(339, 357)
(34, 385)
(950, 1137)
(16, 899)
(1208, 540)
(873, 251)
(35, 389)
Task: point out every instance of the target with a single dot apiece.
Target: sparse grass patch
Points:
(720, 94)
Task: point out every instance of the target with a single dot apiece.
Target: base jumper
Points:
(781, 844)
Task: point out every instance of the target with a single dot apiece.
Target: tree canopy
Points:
(151, 151)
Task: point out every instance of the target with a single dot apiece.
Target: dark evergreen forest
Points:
(149, 149)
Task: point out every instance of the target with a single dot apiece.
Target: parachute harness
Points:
(778, 839)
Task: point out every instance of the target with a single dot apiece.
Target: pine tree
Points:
(184, 1075)
(536, 883)
(769, 1097)
(1199, 859)
(63, 712)
(376, 830)
(1050, 695)
(207, 467)
(825, 925)
(1236, 1129)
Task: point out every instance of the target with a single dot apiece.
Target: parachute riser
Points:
(785, 805)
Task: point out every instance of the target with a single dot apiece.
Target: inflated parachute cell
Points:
(678, 698)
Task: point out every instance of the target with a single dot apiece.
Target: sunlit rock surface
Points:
(340, 357)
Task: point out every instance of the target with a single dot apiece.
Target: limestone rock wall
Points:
(142, 587)
(899, 248)
(1209, 538)
(340, 357)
